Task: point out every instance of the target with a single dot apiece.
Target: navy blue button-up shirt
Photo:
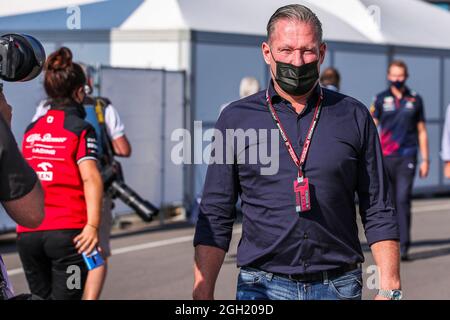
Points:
(344, 157)
(398, 120)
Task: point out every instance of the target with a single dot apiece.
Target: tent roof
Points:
(400, 22)
(413, 23)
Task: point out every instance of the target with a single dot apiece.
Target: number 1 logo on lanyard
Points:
(301, 184)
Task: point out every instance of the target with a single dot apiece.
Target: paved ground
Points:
(155, 263)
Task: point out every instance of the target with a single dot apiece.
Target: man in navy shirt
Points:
(399, 112)
(299, 231)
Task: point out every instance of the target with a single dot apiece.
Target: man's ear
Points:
(265, 48)
(323, 51)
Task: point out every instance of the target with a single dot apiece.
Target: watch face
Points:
(396, 294)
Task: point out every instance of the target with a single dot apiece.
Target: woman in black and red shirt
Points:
(61, 147)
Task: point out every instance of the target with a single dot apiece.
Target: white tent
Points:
(375, 21)
(156, 33)
(401, 22)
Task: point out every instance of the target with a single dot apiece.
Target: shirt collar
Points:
(407, 92)
(69, 107)
(276, 98)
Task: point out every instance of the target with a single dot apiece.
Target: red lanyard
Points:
(287, 142)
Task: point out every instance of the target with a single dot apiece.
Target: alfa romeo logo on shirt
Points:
(36, 137)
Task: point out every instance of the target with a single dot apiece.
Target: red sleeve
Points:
(87, 146)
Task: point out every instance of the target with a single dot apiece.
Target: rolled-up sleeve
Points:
(220, 193)
(375, 202)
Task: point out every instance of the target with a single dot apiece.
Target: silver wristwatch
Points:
(391, 294)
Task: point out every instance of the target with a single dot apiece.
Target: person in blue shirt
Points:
(299, 231)
(399, 113)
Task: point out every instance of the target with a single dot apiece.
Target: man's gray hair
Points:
(295, 12)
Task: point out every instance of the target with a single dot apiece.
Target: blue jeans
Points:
(254, 284)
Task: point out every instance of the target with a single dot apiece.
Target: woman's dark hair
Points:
(62, 76)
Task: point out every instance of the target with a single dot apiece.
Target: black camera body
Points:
(114, 184)
(111, 170)
(22, 57)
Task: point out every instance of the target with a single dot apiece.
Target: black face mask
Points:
(398, 84)
(296, 80)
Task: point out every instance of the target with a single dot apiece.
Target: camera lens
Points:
(25, 58)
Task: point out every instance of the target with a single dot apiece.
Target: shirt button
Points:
(305, 236)
(306, 265)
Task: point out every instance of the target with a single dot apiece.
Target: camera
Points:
(115, 185)
(22, 57)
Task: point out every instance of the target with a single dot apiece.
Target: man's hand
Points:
(202, 292)
(5, 109)
(424, 151)
(424, 168)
